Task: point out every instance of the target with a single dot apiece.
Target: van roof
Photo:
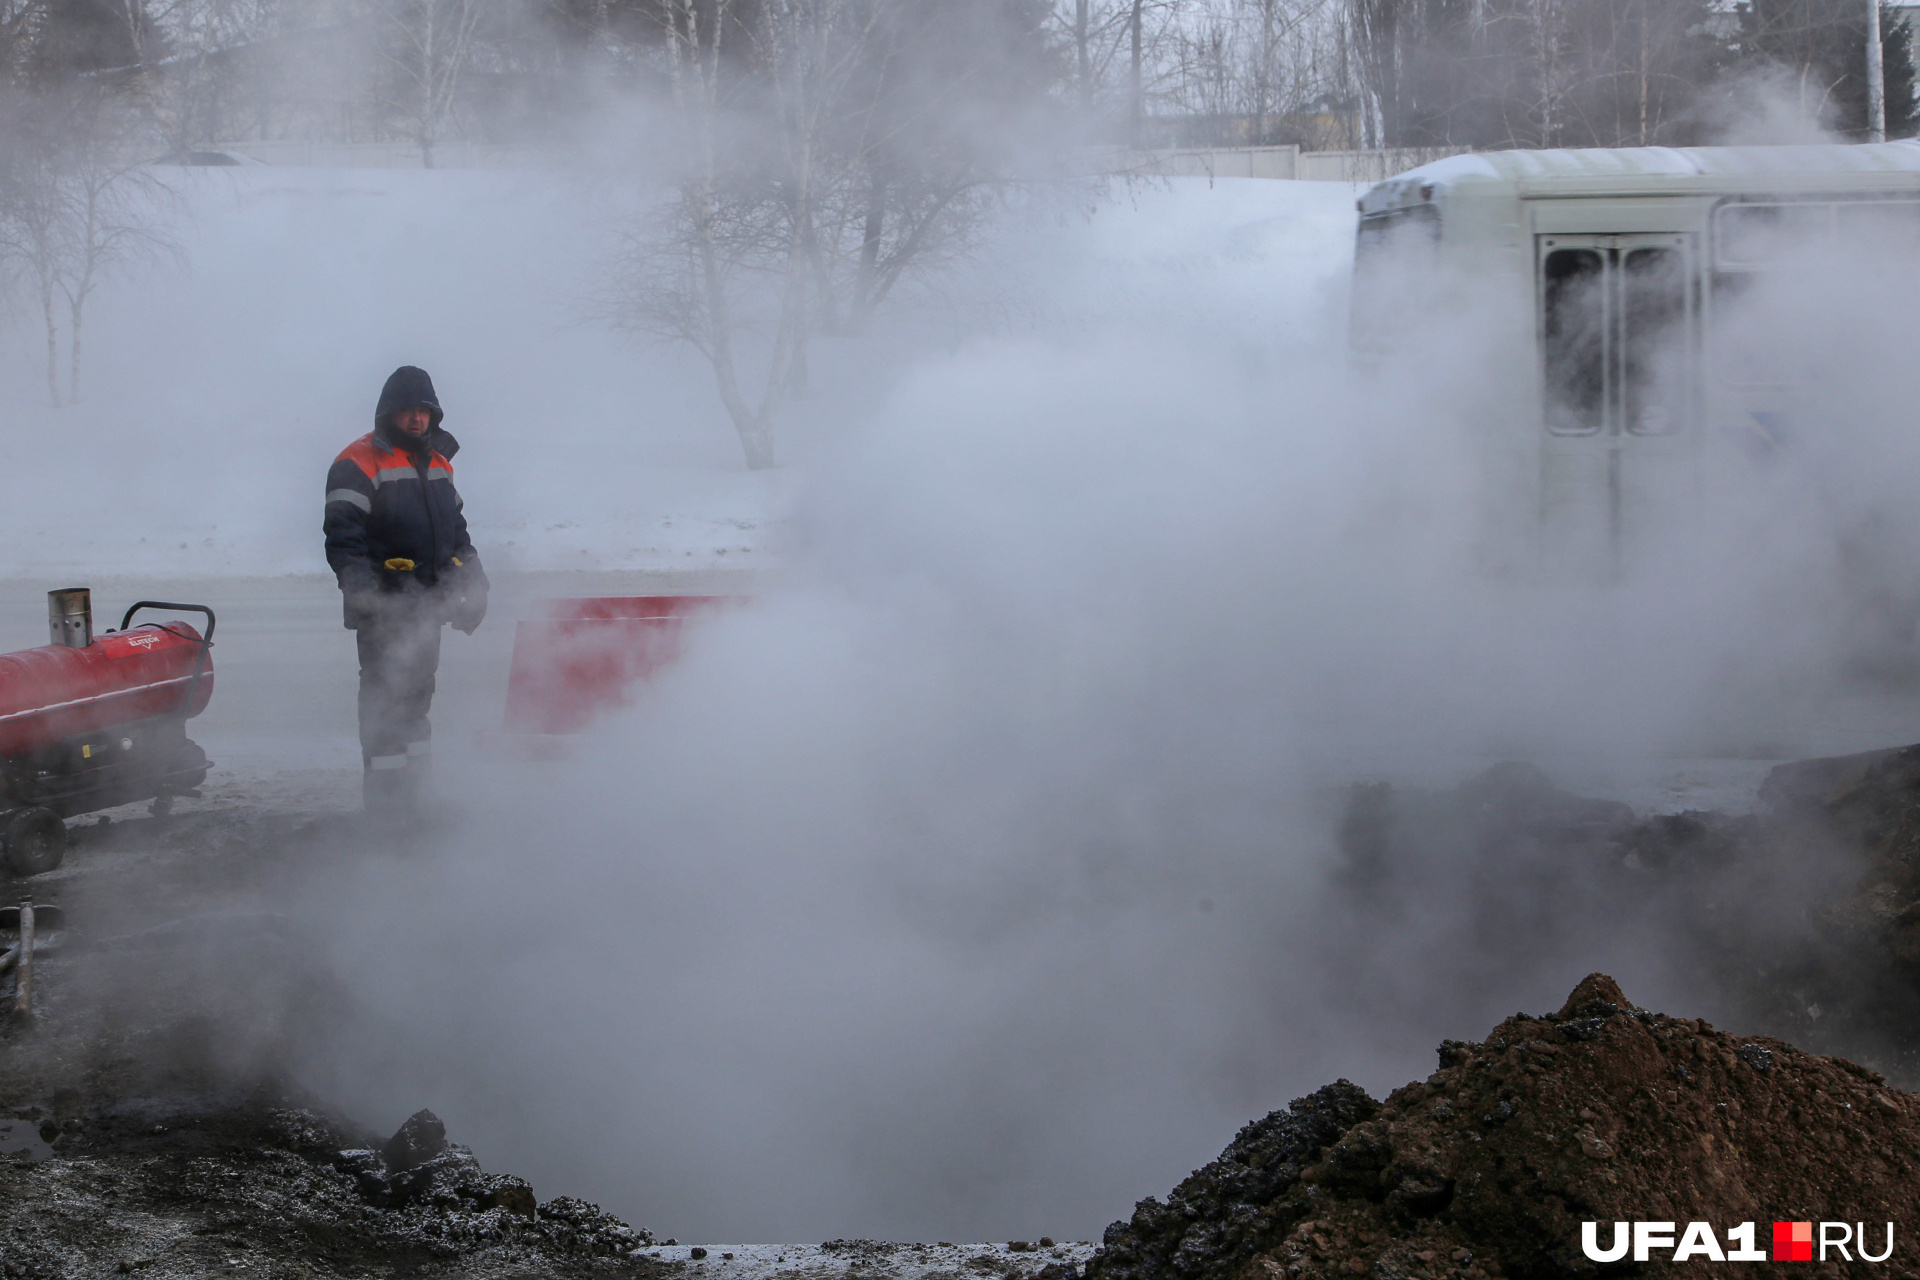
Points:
(1658, 170)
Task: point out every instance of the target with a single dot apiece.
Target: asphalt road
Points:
(281, 725)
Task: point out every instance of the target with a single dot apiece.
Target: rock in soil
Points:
(1598, 1112)
(422, 1138)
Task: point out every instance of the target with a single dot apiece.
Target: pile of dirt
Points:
(260, 1186)
(1601, 1112)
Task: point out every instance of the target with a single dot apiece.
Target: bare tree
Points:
(1537, 73)
(33, 238)
(213, 85)
(1136, 85)
(112, 217)
(1280, 69)
(78, 205)
(683, 266)
(823, 167)
(430, 43)
(1240, 72)
(1114, 88)
(1818, 47)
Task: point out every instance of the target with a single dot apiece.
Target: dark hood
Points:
(406, 387)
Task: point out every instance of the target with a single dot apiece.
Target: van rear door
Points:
(1618, 357)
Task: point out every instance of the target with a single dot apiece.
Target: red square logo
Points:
(1793, 1242)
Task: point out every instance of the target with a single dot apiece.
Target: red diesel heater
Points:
(91, 722)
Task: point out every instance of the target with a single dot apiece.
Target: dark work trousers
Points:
(399, 654)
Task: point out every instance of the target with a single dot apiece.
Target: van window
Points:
(1758, 337)
(1755, 235)
(1575, 335)
(1882, 226)
(1654, 303)
(1394, 256)
(1751, 347)
(1758, 235)
(1416, 224)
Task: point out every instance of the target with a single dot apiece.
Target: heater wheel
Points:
(36, 841)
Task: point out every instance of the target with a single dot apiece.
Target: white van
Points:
(1611, 280)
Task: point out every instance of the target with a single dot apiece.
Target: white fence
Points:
(1288, 162)
(390, 155)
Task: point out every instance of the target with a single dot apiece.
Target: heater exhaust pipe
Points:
(70, 617)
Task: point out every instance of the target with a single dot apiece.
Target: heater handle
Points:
(199, 659)
(138, 605)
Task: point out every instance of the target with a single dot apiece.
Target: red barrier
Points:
(580, 656)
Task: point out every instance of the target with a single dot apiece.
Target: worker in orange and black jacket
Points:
(397, 541)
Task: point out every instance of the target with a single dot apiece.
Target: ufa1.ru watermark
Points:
(1792, 1242)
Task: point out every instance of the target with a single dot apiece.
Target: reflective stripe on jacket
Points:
(391, 499)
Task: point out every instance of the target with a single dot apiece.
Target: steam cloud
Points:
(972, 881)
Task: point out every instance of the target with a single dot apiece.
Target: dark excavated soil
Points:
(254, 1186)
(1803, 917)
(1599, 1112)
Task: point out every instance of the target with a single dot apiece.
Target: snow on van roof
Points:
(1633, 167)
